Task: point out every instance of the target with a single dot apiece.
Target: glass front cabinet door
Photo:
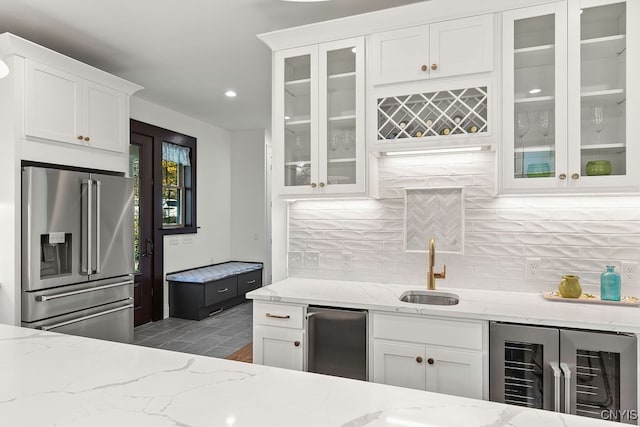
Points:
(318, 119)
(565, 97)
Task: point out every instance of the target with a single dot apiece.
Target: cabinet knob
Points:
(562, 176)
(80, 137)
(575, 176)
(86, 138)
(434, 66)
(314, 185)
(296, 343)
(419, 359)
(321, 185)
(430, 361)
(424, 67)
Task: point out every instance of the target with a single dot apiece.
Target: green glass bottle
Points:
(610, 285)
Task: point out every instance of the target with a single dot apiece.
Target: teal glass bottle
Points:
(610, 285)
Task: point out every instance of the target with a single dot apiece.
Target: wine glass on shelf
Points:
(334, 141)
(521, 128)
(544, 123)
(597, 119)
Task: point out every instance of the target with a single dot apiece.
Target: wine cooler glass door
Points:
(602, 377)
(521, 363)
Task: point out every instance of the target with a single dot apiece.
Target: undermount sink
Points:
(430, 297)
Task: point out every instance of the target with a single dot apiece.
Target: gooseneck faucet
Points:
(431, 278)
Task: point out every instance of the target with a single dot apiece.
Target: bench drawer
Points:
(249, 281)
(220, 290)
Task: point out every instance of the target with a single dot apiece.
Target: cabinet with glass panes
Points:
(567, 97)
(319, 120)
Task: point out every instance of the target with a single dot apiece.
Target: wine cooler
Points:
(592, 374)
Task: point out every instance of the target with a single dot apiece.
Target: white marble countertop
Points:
(50, 379)
(501, 306)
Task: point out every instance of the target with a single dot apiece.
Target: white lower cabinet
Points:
(444, 356)
(279, 347)
(279, 335)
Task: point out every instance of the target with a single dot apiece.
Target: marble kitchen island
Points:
(50, 379)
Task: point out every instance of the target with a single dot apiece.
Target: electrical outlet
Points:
(629, 273)
(295, 259)
(311, 259)
(346, 261)
(532, 266)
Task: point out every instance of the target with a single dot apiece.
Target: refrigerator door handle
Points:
(86, 241)
(45, 298)
(567, 387)
(82, 319)
(98, 225)
(556, 382)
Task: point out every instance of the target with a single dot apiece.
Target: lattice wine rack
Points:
(447, 112)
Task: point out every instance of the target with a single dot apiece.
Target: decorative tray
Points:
(593, 299)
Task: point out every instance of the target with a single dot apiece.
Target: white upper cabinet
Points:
(443, 49)
(566, 97)
(64, 107)
(318, 121)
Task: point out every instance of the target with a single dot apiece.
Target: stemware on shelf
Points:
(522, 127)
(597, 119)
(544, 123)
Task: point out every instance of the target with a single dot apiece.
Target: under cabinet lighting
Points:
(4, 69)
(231, 93)
(435, 151)
(535, 91)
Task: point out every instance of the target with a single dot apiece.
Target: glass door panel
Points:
(341, 116)
(597, 382)
(603, 90)
(297, 120)
(534, 97)
(523, 374)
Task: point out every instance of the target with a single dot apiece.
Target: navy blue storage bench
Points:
(201, 292)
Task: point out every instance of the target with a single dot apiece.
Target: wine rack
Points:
(424, 115)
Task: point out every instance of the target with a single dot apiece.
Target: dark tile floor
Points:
(216, 336)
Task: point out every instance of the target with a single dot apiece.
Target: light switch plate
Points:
(311, 259)
(295, 259)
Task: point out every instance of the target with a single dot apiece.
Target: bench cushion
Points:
(213, 272)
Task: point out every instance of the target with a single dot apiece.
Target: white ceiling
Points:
(185, 53)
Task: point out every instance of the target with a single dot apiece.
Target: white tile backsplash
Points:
(569, 234)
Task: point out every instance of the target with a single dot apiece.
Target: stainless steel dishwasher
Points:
(337, 342)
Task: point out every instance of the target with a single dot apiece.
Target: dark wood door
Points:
(141, 163)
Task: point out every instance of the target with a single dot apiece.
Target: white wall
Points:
(212, 242)
(248, 210)
(569, 234)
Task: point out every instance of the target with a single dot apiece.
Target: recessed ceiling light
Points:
(231, 93)
(353, 50)
(535, 91)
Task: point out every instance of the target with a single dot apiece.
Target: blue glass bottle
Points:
(610, 285)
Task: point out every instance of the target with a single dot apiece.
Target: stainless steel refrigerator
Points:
(593, 374)
(77, 253)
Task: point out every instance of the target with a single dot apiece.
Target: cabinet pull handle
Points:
(296, 343)
(222, 290)
(434, 66)
(419, 359)
(423, 68)
(321, 184)
(251, 281)
(562, 176)
(430, 361)
(278, 316)
(567, 387)
(313, 185)
(86, 138)
(575, 176)
(80, 137)
(556, 385)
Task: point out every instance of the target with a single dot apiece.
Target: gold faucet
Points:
(432, 276)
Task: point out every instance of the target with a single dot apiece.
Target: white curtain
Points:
(175, 153)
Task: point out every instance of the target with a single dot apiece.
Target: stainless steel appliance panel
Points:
(113, 322)
(112, 219)
(57, 301)
(51, 208)
(520, 366)
(337, 342)
(600, 373)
